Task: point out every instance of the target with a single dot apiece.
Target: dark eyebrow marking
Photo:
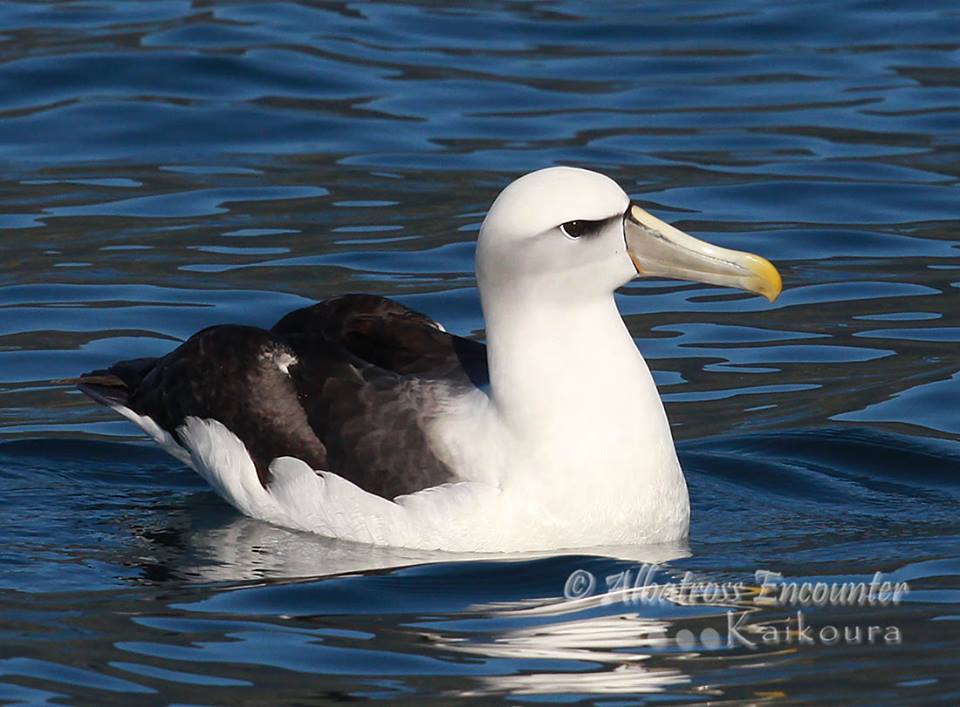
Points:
(589, 228)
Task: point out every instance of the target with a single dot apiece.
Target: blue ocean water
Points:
(169, 165)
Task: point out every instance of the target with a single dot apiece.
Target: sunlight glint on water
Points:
(169, 166)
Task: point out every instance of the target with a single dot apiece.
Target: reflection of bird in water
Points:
(362, 420)
(619, 646)
(230, 549)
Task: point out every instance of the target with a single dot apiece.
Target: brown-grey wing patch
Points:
(388, 335)
(374, 425)
(232, 374)
(349, 386)
(372, 375)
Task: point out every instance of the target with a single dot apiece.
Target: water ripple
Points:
(171, 165)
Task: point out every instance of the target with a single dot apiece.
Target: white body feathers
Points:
(570, 447)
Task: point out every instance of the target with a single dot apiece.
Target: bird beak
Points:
(657, 249)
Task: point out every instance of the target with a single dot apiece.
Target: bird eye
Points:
(574, 229)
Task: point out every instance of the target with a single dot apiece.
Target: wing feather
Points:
(348, 385)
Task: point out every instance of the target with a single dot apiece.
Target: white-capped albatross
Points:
(360, 419)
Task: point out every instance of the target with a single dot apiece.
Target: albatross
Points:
(360, 419)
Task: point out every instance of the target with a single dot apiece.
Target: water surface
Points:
(171, 165)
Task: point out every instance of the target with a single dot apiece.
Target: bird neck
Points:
(564, 371)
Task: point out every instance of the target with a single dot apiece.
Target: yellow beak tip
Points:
(766, 278)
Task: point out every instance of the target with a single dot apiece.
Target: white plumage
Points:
(569, 446)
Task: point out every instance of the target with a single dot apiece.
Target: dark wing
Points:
(346, 385)
(226, 373)
(385, 334)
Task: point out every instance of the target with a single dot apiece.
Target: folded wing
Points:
(348, 386)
